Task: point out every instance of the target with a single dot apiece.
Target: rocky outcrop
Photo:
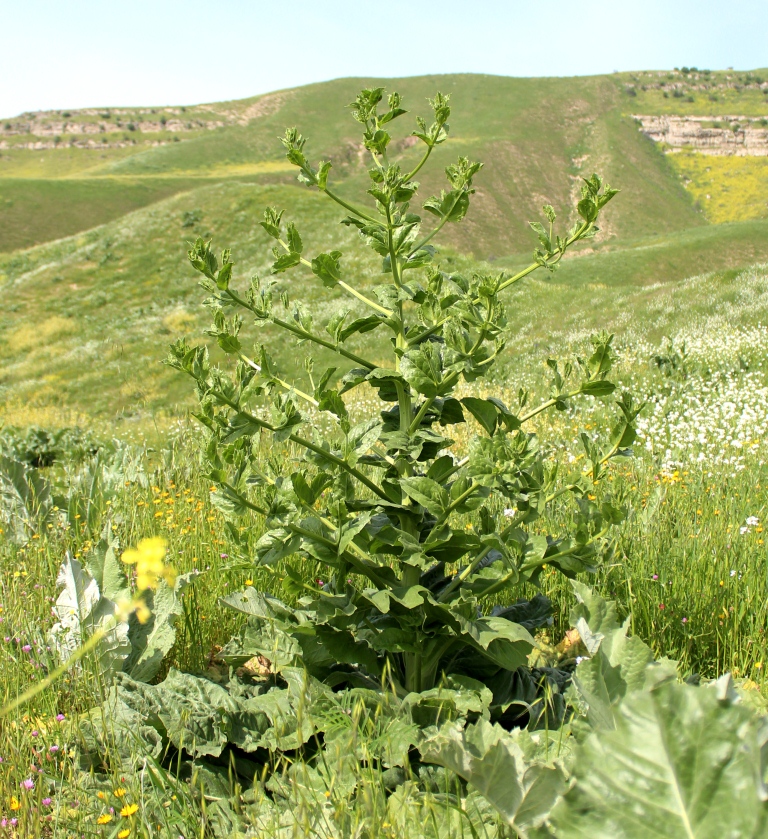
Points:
(726, 135)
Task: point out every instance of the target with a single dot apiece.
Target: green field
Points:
(97, 443)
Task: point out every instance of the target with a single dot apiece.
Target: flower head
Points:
(129, 810)
(148, 558)
(104, 818)
(15, 803)
(124, 833)
(28, 783)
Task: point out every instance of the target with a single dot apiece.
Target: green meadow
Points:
(99, 451)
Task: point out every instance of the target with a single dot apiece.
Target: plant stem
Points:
(309, 336)
(303, 334)
(354, 210)
(425, 157)
(443, 221)
(308, 444)
(417, 339)
(548, 404)
(289, 387)
(351, 289)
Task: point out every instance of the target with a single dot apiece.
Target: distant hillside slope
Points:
(535, 136)
(88, 319)
(95, 219)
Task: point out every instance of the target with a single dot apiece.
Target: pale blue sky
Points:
(77, 53)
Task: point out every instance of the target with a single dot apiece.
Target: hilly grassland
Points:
(534, 136)
(84, 328)
(89, 317)
(93, 304)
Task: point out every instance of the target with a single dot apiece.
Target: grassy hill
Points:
(89, 317)
(91, 308)
(534, 135)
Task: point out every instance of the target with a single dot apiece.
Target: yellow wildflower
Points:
(148, 558)
(124, 833)
(105, 818)
(129, 810)
(15, 803)
(119, 792)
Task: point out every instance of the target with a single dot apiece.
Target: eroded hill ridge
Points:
(739, 136)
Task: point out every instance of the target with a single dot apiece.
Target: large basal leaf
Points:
(82, 610)
(617, 664)
(106, 569)
(510, 770)
(152, 641)
(25, 499)
(682, 763)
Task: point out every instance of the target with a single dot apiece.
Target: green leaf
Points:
(618, 664)
(230, 344)
(450, 206)
(503, 767)
(152, 641)
(343, 647)
(224, 276)
(257, 604)
(531, 614)
(681, 762)
(426, 492)
(294, 240)
(441, 468)
(327, 267)
(483, 411)
(203, 259)
(361, 325)
(451, 412)
(271, 223)
(600, 388)
(276, 544)
(262, 638)
(286, 261)
(107, 570)
(322, 174)
(505, 643)
(82, 610)
(422, 368)
(25, 499)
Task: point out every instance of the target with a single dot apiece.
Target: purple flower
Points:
(35, 733)
(14, 822)
(53, 749)
(655, 577)
(60, 717)
(7, 639)
(224, 556)
(685, 620)
(26, 648)
(46, 802)
(3, 822)
(28, 783)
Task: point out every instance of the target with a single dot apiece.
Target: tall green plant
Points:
(379, 502)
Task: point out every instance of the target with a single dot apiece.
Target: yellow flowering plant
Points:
(97, 602)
